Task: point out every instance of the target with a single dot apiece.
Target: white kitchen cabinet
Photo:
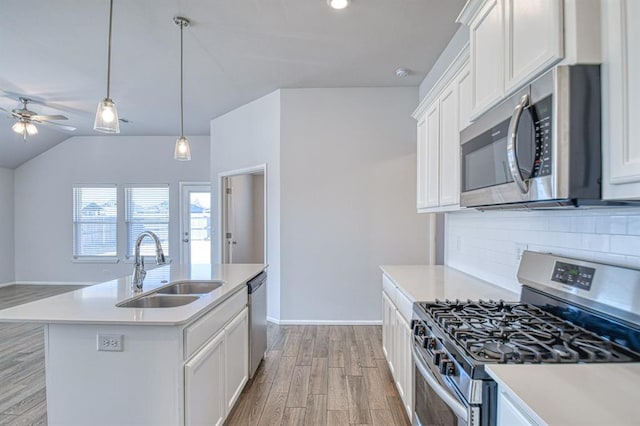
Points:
(510, 413)
(486, 36)
(396, 340)
(236, 359)
(511, 41)
(534, 39)
(621, 99)
(204, 377)
(442, 114)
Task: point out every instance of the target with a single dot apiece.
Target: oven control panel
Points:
(573, 275)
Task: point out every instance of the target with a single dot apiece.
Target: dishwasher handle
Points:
(256, 282)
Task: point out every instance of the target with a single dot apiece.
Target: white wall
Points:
(486, 244)
(6, 226)
(348, 167)
(246, 137)
(43, 198)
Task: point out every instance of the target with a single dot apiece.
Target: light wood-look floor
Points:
(22, 386)
(312, 375)
(321, 375)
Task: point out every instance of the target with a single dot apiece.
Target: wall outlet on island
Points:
(110, 342)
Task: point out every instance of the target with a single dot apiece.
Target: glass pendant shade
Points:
(25, 128)
(107, 117)
(19, 127)
(182, 151)
(31, 129)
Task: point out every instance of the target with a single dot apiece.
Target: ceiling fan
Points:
(26, 119)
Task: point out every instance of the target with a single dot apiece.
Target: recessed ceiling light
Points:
(338, 4)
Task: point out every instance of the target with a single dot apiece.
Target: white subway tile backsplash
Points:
(487, 243)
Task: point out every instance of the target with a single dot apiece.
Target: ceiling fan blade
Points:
(48, 117)
(56, 125)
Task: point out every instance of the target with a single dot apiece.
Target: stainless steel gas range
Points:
(570, 311)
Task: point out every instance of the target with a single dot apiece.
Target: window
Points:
(147, 209)
(95, 214)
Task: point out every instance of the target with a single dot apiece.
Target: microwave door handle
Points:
(459, 409)
(512, 156)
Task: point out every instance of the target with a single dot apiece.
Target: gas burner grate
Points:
(497, 331)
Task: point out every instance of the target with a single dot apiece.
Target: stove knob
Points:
(437, 355)
(431, 343)
(447, 367)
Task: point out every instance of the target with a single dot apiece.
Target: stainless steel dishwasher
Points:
(257, 287)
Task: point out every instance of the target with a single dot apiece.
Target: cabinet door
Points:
(510, 414)
(449, 175)
(236, 357)
(404, 329)
(533, 39)
(486, 33)
(621, 99)
(421, 183)
(432, 156)
(388, 323)
(463, 83)
(204, 385)
(400, 355)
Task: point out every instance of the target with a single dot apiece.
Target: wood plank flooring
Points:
(321, 375)
(22, 381)
(312, 375)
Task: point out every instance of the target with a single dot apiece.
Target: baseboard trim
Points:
(323, 322)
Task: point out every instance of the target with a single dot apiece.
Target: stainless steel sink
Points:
(158, 301)
(190, 287)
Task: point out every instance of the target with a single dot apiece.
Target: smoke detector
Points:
(402, 72)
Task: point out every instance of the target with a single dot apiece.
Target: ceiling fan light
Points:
(31, 129)
(19, 127)
(107, 117)
(182, 151)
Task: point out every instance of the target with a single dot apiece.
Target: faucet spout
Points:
(138, 270)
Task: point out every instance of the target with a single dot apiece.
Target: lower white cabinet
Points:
(216, 374)
(509, 412)
(236, 357)
(396, 341)
(204, 385)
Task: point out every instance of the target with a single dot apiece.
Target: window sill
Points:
(92, 259)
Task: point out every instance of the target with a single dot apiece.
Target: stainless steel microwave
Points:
(539, 148)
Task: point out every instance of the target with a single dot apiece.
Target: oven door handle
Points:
(459, 409)
(512, 156)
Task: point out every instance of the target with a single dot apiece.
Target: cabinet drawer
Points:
(198, 333)
(404, 306)
(389, 288)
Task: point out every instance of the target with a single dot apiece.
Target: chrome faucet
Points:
(138, 270)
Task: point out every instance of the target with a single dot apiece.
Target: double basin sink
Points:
(173, 295)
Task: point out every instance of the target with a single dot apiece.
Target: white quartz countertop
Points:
(573, 394)
(96, 304)
(424, 283)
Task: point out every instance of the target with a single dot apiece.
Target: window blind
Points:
(147, 209)
(95, 215)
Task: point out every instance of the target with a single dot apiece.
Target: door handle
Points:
(186, 240)
(511, 145)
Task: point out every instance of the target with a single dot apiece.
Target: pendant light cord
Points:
(181, 84)
(109, 49)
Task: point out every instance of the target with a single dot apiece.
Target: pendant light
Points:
(182, 151)
(107, 115)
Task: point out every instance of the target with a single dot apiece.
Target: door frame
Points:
(221, 211)
(184, 190)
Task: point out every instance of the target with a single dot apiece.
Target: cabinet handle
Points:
(511, 145)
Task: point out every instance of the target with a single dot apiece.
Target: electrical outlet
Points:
(110, 342)
(520, 248)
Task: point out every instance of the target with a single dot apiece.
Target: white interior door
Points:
(196, 223)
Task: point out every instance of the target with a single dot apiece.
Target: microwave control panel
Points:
(542, 128)
(573, 275)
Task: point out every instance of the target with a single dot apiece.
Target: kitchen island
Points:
(173, 366)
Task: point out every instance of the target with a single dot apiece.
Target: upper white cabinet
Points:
(511, 42)
(441, 115)
(621, 99)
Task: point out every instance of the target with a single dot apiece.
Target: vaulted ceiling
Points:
(55, 52)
